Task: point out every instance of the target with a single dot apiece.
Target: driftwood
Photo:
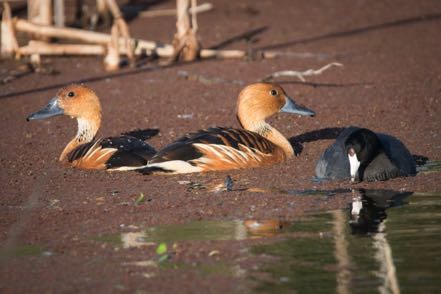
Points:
(43, 48)
(185, 47)
(142, 46)
(40, 12)
(172, 12)
(122, 28)
(185, 43)
(112, 60)
(9, 44)
(59, 18)
(147, 47)
(35, 60)
(80, 49)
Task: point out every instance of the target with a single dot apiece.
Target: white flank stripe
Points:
(178, 166)
(126, 168)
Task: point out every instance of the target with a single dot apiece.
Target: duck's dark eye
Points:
(70, 94)
(273, 92)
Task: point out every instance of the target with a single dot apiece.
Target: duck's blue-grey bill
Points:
(51, 109)
(292, 107)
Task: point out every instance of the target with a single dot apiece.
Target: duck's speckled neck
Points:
(87, 129)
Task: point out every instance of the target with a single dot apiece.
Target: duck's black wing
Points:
(142, 134)
(113, 153)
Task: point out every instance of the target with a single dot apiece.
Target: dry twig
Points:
(300, 74)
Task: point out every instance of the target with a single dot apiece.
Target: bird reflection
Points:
(368, 208)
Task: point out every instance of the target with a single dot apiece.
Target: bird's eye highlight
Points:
(273, 92)
(70, 94)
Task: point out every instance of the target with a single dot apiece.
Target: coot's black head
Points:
(362, 146)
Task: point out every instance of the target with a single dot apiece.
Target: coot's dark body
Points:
(394, 160)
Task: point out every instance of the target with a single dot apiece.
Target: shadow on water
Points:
(361, 249)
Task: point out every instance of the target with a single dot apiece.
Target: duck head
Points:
(259, 101)
(362, 146)
(76, 101)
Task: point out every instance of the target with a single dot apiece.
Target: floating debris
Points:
(140, 199)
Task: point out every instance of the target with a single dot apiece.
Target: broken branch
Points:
(300, 74)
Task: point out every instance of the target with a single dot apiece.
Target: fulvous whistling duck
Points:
(124, 152)
(217, 148)
(360, 154)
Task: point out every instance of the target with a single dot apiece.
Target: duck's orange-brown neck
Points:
(267, 131)
(87, 129)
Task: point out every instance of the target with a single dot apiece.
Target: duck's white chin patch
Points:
(354, 165)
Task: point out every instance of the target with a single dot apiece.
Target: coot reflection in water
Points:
(368, 209)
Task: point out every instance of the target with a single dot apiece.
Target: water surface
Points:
(386, 241)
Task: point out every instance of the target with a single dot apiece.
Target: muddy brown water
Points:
(63, 230)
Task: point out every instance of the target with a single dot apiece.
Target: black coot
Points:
(360, 154)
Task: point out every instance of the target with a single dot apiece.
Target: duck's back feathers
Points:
(113, 153)
(215, 149)
(395, 160)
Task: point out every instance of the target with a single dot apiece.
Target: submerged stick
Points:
(300, 74)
